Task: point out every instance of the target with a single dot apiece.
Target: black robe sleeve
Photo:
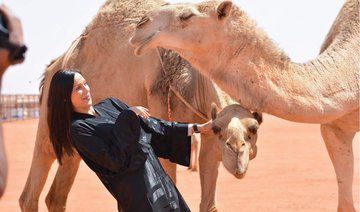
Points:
(169, 140)
(127, 135)
(119, 104)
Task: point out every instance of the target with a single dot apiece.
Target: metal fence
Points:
(14, 107)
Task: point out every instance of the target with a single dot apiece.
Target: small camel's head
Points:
(181, 26)
(236, 129)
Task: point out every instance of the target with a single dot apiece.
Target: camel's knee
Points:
(22, 201)
(56, 200)
(2, 185)
(28, 206)
(55, 204)
(346, 206)
(208, 208)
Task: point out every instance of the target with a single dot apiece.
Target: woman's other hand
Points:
(140, 111)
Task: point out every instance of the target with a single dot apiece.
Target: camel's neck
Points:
(259, 76)
(207, 92)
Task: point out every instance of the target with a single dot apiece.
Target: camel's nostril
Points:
(230, 147)
(242, 147)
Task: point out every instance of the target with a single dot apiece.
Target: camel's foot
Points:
(28, 205)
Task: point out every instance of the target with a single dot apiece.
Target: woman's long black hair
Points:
(60, 111)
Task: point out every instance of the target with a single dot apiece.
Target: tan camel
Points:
(219, 40)
(106, 60)
(15, 37)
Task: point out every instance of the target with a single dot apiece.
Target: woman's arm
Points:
(192, 128)
(200, 128)
(169, 140)
(95, 151)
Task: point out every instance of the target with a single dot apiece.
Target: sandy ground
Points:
(292, 172)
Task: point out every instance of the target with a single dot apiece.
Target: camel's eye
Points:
(253, 129)
(143, 20)
(216, 129)
(186, 16)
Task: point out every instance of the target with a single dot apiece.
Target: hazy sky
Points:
(297, 26)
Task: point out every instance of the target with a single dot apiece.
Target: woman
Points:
(119, 143)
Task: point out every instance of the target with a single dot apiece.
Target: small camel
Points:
(220, 41)
(106, 60)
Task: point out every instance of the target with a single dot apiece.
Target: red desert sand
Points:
(292, 172)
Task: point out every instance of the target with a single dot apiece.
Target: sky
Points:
(297, 26)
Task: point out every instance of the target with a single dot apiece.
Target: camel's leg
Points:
(40, 166)
(3, 164)
(209, 165)
(195, 149)
(170, 168)
(339, 146)
(64, 179)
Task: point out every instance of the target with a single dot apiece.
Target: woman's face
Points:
(80, 96)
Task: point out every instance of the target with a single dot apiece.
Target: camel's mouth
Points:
(233, 164)
(239, 175)
(141, 46)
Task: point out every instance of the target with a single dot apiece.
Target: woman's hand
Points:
(140, 111)
(205, 127)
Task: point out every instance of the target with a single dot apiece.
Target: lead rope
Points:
(168, 94)
(169, 106)
(171, 88)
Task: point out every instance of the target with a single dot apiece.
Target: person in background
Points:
(119, 143)
(12, 50)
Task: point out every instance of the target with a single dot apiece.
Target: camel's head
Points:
(182, 26)
(236, 129)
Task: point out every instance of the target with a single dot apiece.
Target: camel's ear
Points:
(258, 117)
(214, 110)
(224, 9)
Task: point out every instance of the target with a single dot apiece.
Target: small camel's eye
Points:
(142, 21)
(216, 129)
(253, 129)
